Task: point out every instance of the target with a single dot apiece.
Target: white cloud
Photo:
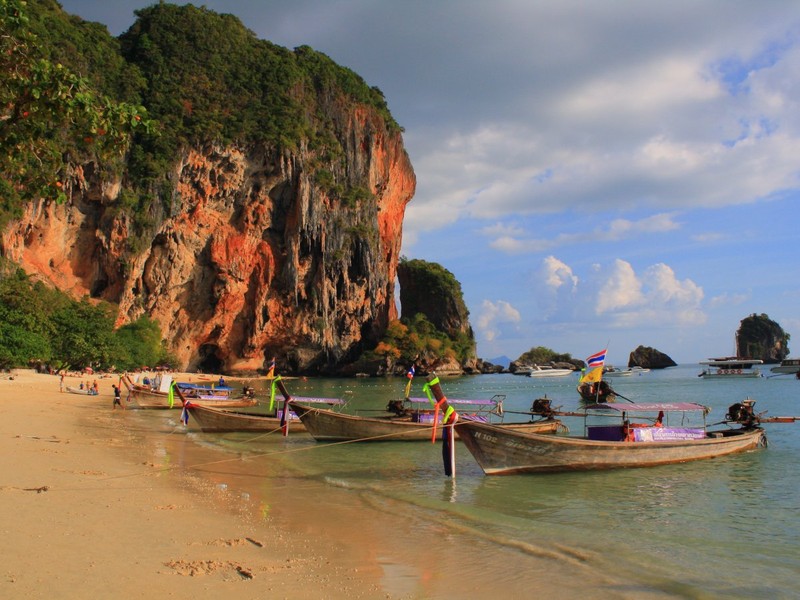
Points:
(622, 289)
(512, 240)
(558, 275)
(728, 299)
(493, 316)
(658, 296)
(672, 126)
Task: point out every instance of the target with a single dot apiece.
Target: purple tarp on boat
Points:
(667, 434)
(649, 406)
(457, 401)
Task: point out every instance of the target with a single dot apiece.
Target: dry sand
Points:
(83, 516)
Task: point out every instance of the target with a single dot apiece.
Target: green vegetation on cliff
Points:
(541, 355)
(761, 337)
(202, 78)
(51, 115)
(435, 320)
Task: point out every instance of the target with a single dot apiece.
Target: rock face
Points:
(430, 289)
(256, 262)
(761, 337)
(433, 291)
(281, 238)
(649, 358)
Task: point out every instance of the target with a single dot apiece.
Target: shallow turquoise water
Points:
(727, 527)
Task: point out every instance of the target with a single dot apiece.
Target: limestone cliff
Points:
(250, 253)
(649, 358)
(762, 338)
(431, 290)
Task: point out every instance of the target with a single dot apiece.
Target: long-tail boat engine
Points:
(396, 407)
(742, 413)
(543, 407)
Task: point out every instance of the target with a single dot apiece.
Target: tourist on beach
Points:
(117, 397)
(61, 383)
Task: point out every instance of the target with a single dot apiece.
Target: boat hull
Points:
(224, 403)
(216, 420)
(145, 398)
(542, 372)
(788, 366)
(605, 393)
(84, 392)
(744, 374)
(329, 426)
(500, 452)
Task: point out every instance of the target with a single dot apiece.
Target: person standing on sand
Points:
(61, 383)
(117, 397)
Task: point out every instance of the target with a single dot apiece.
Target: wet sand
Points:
(96, 503)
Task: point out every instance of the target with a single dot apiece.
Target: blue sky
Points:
(594, 173)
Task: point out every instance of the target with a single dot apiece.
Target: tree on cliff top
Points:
(541, 355)
(49, 115)
(430, 290)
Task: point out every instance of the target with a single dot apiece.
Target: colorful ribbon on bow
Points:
(272, 387)
(437, 405)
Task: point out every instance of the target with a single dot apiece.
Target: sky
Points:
(595, 174)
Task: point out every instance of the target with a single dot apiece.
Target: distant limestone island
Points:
(650, 358)
(644, 357)
(758, 337)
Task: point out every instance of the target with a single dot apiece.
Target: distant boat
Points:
(614, 372)
(548, 371)
(524, 370)
(639, 370)
(730, 367)
(82, 391)
(788, 366)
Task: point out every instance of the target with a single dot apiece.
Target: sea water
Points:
(726, 527)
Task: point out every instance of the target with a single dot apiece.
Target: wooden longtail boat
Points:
(599, 391)
(328, 425)
(157, 396)
(222, 402)
(499, 451)
(215, 420)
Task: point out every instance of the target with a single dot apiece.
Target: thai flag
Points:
(411, 372)
(597, 359)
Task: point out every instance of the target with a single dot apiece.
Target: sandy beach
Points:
(84, 516)
(97, 503)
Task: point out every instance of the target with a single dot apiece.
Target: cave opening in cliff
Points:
(209, 361)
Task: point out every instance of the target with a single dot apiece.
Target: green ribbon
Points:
(427, 389)
(272, 393)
